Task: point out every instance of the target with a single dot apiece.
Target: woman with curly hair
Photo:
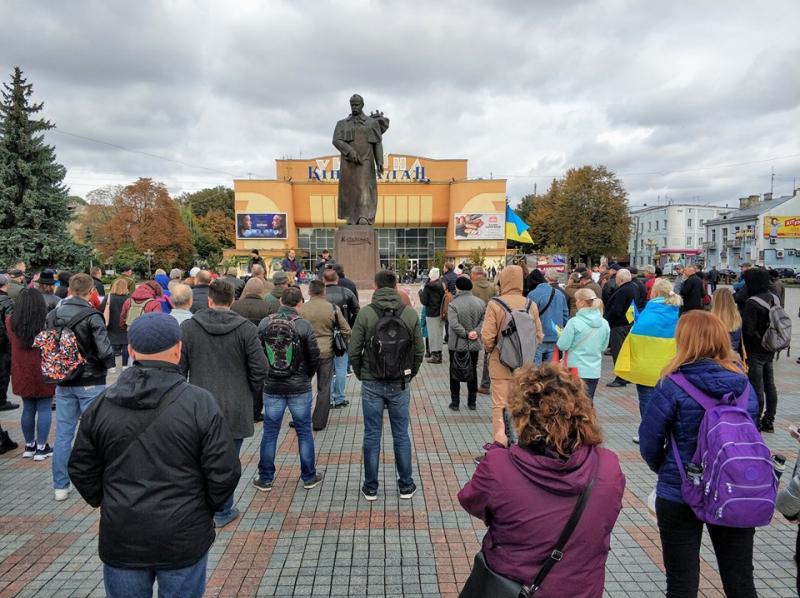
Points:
(526, 493)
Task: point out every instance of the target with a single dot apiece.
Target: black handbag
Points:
(484, 582)
(461, 366)
(339, 339)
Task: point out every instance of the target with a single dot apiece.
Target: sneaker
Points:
(62, 494)
(370, 495)
(315, 482)
(478, 459)
(344, 403)
(349, 373)
(223, 520)
(261, 485)
(30, 451)
(407, 493)
(635, 440)
(43, 453)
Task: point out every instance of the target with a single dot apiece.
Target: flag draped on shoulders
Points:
(650, 345)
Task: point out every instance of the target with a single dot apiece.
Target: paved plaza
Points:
(329, 541)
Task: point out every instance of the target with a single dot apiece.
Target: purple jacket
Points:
(525, 499)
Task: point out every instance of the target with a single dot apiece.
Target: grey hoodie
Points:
(221, 353)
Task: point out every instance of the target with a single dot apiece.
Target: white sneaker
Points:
(62, 494)
(635, 440)
(112, 370)
(30, 451)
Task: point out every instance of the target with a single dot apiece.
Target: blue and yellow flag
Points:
(650, 345)
(516, 229)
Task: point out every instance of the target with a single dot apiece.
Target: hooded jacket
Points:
(166, 302)
(510, 282)
(273, 300)
(92, 340)
(526, 498)
(251, 306)
(673, 412)
(156, 504)
(585, 337)
(484, 289)
(143, 293)
(300, 382)
(364, 328)
(431, 296)
(222, 354)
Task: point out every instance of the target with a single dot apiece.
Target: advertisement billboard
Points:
(781, 227)
(251, 225)
(490, 226)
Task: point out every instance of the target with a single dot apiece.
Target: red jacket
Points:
(142, 293)
(526, 499)
(26, 370)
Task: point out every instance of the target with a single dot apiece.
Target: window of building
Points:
(724, 232)
(689, 242)
(689, 223)
(700, 241)
(414, 243)
(312, 241)
(642, 243)
(701, 222)
(649, 226)
(665, 224)
(713, 235)
(656, 224)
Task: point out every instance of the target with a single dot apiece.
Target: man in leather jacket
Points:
(74, 396)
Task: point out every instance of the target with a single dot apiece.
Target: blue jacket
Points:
(672, 411)
(557, 313)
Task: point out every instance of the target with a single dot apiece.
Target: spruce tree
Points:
(33, 199)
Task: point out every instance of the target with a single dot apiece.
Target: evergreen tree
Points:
(34, 209)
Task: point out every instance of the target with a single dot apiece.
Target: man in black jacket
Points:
(288, 387)
(760, 362)
(616, 313)
(154, 453)
(200, 291)
(347, 301)
(692, 290)
(237, 283)
(74, 396)
(344, 281)
(6, 309)
(222, 354)
(97, 275)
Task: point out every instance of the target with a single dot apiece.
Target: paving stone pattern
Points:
(329, 541)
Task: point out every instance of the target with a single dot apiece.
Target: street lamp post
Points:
(149, 255)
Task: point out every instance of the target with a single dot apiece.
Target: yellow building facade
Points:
(424, 206)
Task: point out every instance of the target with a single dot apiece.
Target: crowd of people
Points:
(531, 341)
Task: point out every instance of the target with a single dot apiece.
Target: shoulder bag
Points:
(549, 301)
(339, 340)
(483, 582)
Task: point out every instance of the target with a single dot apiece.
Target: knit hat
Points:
(615, 266)
(434, 274)
(153, 333)
(280, 278)
(463, 283)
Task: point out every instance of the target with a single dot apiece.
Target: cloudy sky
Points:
(697, 101)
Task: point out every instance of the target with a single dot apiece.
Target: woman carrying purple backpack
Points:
(705, 366)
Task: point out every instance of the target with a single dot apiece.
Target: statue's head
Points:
(356, 104)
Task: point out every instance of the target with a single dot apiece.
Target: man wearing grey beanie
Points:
(154, 453)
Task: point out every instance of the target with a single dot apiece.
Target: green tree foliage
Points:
(215, 198)
(207, 248)
(477, 256)
(585, 212)
(34, 210)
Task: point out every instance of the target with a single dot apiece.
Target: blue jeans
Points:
(591, 386)
(645, 394)
(544, 351)
(228, 506)
(274, 408)
(340, 381)
(71, 402)
(122, 350)
(189, 582)
(374, 396)
(36, 415)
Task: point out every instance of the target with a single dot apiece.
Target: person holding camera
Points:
(527, 493)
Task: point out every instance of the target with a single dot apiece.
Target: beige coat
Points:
(510, 281)
(320, 313)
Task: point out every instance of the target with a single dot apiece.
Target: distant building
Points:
(672, 233)
(764, 230)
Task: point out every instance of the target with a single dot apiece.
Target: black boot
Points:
(454, 403)
(8, 405)
(767, 425)
(438, 357)
(471, 402)
(427, 349)
(6, 444)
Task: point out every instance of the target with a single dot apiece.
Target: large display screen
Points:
(490, 226)
(250, 225)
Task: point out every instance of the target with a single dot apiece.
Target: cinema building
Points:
(425, 206)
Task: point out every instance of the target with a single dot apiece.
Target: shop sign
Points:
(328, 170)
(781, 226)
(479, 227)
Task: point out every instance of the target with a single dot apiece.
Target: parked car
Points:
(785, 272)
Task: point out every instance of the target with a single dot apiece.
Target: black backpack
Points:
(282, 346)
(391, 347)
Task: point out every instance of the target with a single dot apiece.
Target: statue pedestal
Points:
(356, 249)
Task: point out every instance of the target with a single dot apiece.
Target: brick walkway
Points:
(330, 541)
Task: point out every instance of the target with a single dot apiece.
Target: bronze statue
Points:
(359, 138)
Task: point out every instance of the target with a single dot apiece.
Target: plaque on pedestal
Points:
(356, 248)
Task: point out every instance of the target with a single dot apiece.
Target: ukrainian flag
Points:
(516, 229)
(650, 345)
